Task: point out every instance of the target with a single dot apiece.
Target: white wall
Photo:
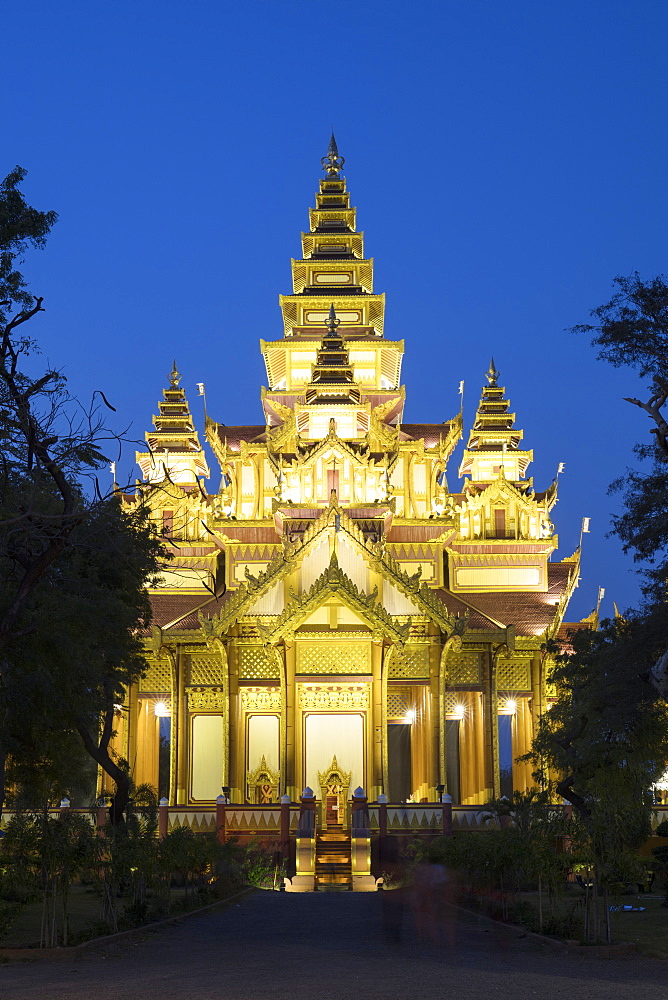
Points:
(337, 734)
(263, 738)
(207, 756)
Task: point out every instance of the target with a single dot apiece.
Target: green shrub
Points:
(261, 866)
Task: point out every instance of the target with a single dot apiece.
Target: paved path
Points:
(321, 946)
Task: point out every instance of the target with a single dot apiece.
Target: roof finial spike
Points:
(332, 321)
(174, 376)
(492, 374)
(332, 164)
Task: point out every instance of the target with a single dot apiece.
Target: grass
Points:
(84, 916)
(648, 930)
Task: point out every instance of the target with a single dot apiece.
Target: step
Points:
(333, 861)
(340, 882)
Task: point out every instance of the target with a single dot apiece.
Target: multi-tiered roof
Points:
(333, 434)
(173, 444)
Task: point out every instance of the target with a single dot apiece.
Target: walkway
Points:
(329, 946)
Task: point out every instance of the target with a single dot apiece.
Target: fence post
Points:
(163, 818)
(304, 878)
(360, 844)
(221, 801)
(446, 803)
(101, 821)
(359, 810)
(64, 807)
(306, 822)
(285, 826)
(382, 827)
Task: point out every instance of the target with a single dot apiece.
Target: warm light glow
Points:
(459, 711)
(511, 705)
(410, 715)
(161, 709)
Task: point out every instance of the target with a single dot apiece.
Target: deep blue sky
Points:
(507, 160)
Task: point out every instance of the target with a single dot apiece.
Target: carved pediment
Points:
(334, 780)
(333, 581)
(262, 783)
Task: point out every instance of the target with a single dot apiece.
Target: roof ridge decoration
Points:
(174, 376)
(376, 556)
(310, 451)
(380, 560)
(334, 580)
(332, 164)
(573, 581)
(478, 491)
(386, 434)
(173, 450)
(256, 586)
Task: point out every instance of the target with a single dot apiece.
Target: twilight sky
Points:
(507, 161)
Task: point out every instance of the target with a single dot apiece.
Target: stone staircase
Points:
(333, 861)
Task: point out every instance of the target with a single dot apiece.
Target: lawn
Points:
(84, 914)
(647, 930)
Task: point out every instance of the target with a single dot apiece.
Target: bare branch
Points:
(653, 409)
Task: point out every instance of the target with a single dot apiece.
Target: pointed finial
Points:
(174, 376)
(492, 374)
(332, 164)
(332, 322)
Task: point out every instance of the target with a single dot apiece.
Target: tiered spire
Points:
(332, 379)
(352, 365)
(332, 164)
(493, 449)
(333, 265)
(174, 446)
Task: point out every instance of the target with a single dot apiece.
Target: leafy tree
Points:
(606, 738)
(632, 330)
(73, 564)
(20, 226)
(84, 649)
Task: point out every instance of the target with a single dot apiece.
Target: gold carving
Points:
(332, 657)
(412, 662)
(205, 670)
(337, 698)
(206, 699)
(464, 668)
(157, 677)
(261, 699)
(254, 664)
(513, 675)
(397, 703)
(262, 784)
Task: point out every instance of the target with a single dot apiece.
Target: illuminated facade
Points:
(370, 627)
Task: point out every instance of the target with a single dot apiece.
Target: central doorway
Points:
(334, 742)
(334, 785)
